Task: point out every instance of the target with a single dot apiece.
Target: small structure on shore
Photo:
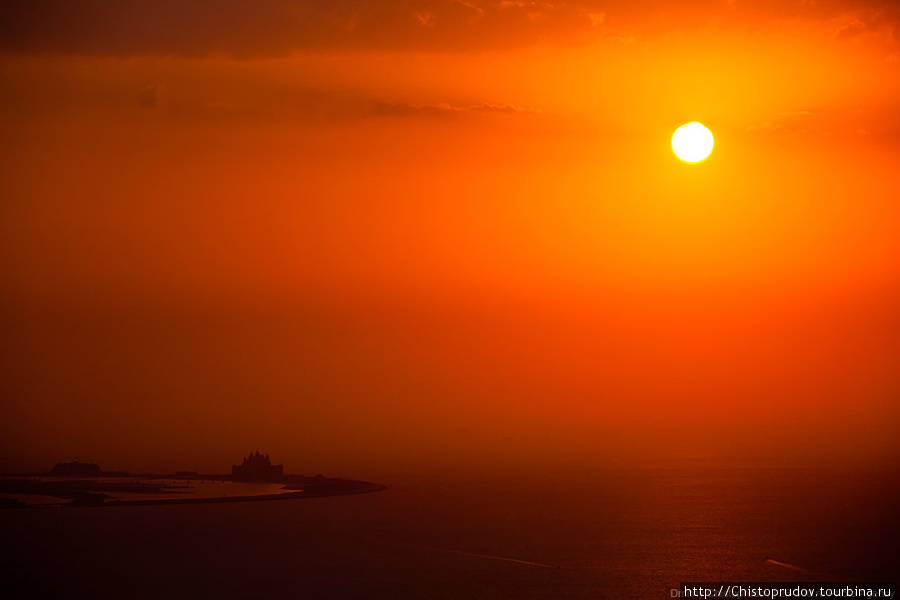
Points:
(257, 467)
(75, 469)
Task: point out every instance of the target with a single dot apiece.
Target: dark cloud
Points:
(254, 28)
(869, 20)
(323, 107)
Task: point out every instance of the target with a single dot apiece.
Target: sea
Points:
(616, 533)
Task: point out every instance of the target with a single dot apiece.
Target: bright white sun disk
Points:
(692, 142)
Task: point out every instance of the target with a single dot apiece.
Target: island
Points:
(78, 484)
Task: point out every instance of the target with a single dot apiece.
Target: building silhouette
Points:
(257, 467)
(75, 469)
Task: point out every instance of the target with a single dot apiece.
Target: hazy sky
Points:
(365, 235)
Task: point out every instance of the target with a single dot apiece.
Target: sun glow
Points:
(692, 142)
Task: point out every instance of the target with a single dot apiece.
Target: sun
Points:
(692, 142)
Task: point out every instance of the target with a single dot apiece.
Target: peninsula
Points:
(77, 484)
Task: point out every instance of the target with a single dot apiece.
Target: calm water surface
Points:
(608, 534)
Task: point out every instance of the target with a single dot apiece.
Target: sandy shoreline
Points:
(362, 488)
(91, 494)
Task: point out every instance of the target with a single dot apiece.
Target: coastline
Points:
(91, 495)
(362, 487)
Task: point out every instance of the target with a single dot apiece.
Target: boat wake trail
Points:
(488, 556)
(778, 563)
(420, 547)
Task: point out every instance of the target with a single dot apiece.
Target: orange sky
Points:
(372, 235)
